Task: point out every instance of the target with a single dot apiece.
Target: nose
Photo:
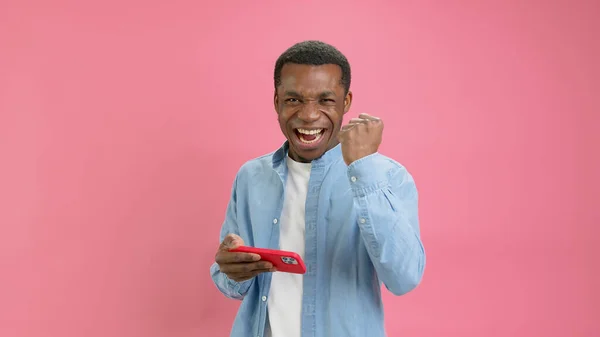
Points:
(309, 112)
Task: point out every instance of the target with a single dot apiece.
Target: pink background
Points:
(122, 124)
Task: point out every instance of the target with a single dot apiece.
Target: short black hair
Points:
(314, 53)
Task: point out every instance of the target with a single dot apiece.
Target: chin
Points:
(307, 155)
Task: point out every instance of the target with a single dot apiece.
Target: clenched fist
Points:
(239, 266)
(360, 137)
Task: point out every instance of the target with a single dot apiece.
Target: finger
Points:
(256, 272)
(241, 277)
(368, 117)
(231, 241)
(358, 121)
(245, 267)
(348, 127)
(246, 276)
(234, 257)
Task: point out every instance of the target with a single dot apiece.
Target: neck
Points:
(299, 159)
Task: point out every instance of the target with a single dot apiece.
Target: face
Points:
(311, 103)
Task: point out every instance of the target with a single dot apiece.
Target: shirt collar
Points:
(326, 159)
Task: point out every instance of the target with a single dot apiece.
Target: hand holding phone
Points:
(239, 266)
(282, 261)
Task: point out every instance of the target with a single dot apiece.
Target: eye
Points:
(292, 101)
(328, 100)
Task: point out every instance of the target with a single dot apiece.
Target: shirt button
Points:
(362, 220)
(264, 298)
(353, 178)
(274, 221)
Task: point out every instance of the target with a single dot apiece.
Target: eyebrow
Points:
(292, 93)
(327, 94)
(321, 95)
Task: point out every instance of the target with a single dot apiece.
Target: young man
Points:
(328, 195)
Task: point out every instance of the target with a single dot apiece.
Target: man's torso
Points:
(341, 293)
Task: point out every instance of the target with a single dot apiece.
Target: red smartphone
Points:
(286, 262)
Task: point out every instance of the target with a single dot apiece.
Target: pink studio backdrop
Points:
(122, 124)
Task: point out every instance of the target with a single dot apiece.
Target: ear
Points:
(275, 102)
(347, 101)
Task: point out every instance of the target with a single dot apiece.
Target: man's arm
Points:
(230, 288)
(386, 200)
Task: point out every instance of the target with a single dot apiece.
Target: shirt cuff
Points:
(369, 174)
(238, 287)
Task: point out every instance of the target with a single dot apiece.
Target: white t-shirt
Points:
(284, 304)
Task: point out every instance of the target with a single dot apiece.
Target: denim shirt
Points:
(361, 230)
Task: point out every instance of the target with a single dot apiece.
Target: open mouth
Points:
(309, 136)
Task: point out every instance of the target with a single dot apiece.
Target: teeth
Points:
(311, 141)
(310, 132)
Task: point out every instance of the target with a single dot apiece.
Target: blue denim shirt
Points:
(362, 229)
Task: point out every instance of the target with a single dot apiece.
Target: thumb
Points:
(232, 241)
(341, 135)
